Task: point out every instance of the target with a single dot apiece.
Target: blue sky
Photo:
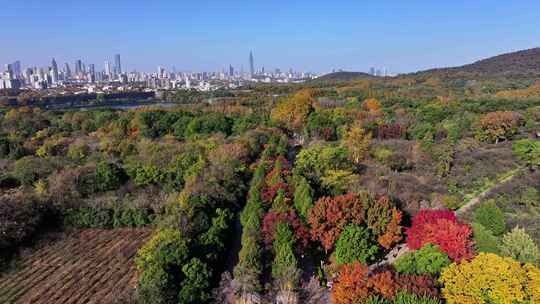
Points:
(402, 35)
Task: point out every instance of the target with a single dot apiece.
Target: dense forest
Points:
(405, 190)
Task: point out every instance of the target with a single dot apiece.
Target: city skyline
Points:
(211, 35)
(18, 76)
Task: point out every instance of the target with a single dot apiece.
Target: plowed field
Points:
(89, 266)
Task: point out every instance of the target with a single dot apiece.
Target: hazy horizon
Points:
(313, 36)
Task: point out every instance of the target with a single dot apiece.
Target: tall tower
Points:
(67, 71)
(78, 67)
(108, 69)
(117, 64)
(251, 65)
(54, 71)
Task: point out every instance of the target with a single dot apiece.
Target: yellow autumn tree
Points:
(357, 142)
(489, 278)
(372, 105)
(294, 111)
(533, 276)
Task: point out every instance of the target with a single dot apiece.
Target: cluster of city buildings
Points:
(89, 77)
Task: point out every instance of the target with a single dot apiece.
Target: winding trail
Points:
(477, 199)
(402, 249)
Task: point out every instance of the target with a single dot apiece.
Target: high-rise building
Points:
(108, 71)
(67, 71)
(231, 71)
(251, 65)
(54, 71)
(17, 70)
(117, 64)
(78, 67)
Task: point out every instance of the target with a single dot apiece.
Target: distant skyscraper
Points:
(17, 70)
(78, 67)
(117, 64)
(67, 71)
(108, 69)
(231, 71)
(251, 64)
(92, 72)
(372, 71)
(54, 71)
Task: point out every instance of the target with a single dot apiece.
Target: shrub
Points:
(484, 239)
(528, 151)
(88, 217)
(498, 126)
(355, 244)
(488, 278)
(427, 260)
(491, 217)
(397, 162)
(440, 227)
(108, 176)
(20, 217)
(518, 245)
(29, 169)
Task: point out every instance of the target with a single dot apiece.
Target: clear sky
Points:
(316, 35)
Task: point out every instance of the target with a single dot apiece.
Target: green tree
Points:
(166, 251)
(484, 239)
(284, 270)
(427, 260)
(196, 283)
(491, 217)
(108, 176)
(528, 151)
(356, 243)
(303, 197)
(518, 245)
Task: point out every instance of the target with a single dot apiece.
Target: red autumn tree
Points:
(384, 284)
(331, 215)
(391, 131)
(351, 285)
(440, 227)
(421, 285)
(273, 218)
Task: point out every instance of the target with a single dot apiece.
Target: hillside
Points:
(521, 64)
(343, 76)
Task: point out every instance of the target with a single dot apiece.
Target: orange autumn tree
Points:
(498, 126)
(294, 111)
(384, 219)
(351, 286)
(330, 215)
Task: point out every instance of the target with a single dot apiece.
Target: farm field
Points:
(87, 266)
